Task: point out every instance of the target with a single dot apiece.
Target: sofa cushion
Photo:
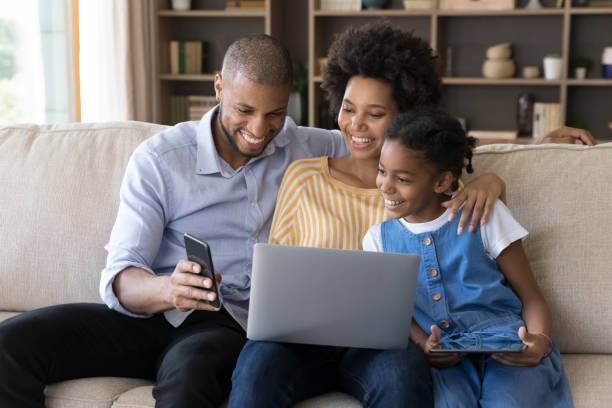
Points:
(98, 392)
(590, 378)
(562, 195)
(60, 193)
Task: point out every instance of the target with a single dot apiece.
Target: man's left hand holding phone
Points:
(193, 286)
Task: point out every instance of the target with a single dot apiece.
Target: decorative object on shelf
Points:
(374, 4)
(498, 63)
(181, 5)
(546, 118)
(606, 63)
(341, 5)
(417, 4)
(552, 66)
(296, 107)
(531, 72)
(533, 5)
(581, 67)
(321, 63)
(524, 114)
(476, 4)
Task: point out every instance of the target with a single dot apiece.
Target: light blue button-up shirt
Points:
(175, 182)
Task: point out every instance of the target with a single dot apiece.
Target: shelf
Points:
(212, 13)
(187, 77)
(504, 82)
(591, 10)
(514, 12)
(372, 13)
(589, 82)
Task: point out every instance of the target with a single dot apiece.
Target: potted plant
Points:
(581, 67)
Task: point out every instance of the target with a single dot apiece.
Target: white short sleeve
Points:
(500, 230)
(372, 241)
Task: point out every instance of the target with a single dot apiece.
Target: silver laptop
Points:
(332, 297)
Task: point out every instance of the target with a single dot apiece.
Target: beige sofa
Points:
(58, 201)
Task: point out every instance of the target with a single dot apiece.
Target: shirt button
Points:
(427, 241)
(444, 324)
(433, 272)
(252, 203)
(253, 239)
(437, 297)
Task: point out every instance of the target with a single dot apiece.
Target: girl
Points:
(470, 285)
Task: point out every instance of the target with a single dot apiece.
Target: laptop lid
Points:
(331, 297)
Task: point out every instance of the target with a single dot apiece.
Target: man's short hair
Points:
(260, 58)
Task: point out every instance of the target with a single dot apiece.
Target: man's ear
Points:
(218, 86)
(444, 181)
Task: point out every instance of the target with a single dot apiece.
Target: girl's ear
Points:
(444, 181)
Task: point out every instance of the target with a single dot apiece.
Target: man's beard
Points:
(230, 139)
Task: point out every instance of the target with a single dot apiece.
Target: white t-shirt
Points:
(499, 231)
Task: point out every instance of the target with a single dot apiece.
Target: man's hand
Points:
(189, 291)
(439, 360)
(537, 347)
(569, 135)
(479, 197)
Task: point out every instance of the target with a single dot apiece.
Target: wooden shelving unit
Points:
(219, 27)
(490, 103)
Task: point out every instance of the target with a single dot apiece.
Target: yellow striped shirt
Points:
(315, 210)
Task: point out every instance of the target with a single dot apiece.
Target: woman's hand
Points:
(536, 348)
(570, 135)
(479, 196)
(439, 360)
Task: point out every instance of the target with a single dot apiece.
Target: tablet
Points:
(497, 346)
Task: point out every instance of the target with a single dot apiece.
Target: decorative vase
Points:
(552, 67)
(533, 5)
(294, 107)
(181, 5)
(374, 4)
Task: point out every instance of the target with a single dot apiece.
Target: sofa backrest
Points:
(562, 194)
(59, 196)
(59, 188)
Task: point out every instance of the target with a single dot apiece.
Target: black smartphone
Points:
(198, 251)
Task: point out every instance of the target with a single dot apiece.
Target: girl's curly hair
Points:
(438, 135)
(379, 50)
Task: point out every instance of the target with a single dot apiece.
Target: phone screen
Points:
(198, 251)
(486, 347)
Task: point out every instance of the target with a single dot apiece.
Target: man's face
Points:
(251, 116)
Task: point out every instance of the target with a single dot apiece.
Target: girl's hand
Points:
(479, 196)
(537, 347)
(439, 360)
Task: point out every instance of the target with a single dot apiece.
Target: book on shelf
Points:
(546, 118)
(188, 57)
(250, 5)
(190, 107)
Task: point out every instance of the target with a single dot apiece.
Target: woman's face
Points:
(367, 110)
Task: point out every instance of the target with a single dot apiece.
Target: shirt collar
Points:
(209, 161)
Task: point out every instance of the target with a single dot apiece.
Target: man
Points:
(217, 179)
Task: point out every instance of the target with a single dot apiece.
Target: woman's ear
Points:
(444, 181)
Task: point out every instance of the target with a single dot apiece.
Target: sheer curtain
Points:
(115, 60)
(36, 62)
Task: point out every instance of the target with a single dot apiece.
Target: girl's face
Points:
(411, 186)
(367, 110)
